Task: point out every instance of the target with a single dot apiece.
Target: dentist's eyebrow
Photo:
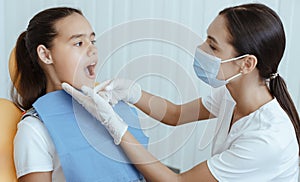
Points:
(213, 39)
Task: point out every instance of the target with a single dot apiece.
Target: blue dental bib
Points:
(86, 151)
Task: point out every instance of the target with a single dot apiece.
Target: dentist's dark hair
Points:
(256, 29)
(29, 81)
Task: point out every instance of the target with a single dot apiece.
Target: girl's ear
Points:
(44, 54)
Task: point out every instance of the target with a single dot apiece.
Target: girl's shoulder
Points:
(32, 123)
(33, 129)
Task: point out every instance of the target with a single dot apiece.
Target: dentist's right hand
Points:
(100, 109)
(120, 89)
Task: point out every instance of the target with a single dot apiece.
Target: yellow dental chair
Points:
(9, 117)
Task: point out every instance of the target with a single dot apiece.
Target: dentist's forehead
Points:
(218, 32)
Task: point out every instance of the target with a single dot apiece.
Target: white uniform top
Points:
(34, 150)
(259, 147)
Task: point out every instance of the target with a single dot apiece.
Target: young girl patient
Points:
(53, 141)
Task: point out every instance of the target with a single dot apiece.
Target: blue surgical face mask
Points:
(207, 68)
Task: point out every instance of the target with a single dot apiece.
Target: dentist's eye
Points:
(93, 42)
(212, 47)
(78, 44)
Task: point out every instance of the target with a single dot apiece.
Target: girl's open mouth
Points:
(90, 70)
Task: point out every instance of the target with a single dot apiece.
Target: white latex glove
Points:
(120, 89)
(100, 109)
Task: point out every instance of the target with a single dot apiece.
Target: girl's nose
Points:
(92, 50)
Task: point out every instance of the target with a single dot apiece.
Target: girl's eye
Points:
(93, 42)
(78, 44)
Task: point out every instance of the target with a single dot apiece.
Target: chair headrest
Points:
(12, 66)
(9, 117)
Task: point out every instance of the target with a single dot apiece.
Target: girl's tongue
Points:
(90, 70)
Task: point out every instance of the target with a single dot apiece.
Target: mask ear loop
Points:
(233, 77)
(233, 59)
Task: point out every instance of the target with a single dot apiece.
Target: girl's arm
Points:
(36, 177)
(169, 113)
(154, 170)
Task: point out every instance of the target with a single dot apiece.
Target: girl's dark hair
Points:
(256, 29)
(29, 79)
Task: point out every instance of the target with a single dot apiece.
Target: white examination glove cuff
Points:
(135, 94)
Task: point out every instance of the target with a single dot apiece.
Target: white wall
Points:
(153, 41)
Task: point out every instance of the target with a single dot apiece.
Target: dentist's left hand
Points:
(100, 109)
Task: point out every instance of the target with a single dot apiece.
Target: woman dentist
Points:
(258, 138)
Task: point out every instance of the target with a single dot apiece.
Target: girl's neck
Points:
(52, 87)
(53, 82)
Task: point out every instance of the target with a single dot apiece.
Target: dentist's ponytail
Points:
(279, 90)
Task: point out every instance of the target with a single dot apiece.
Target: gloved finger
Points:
(68, 88)
(88, 91)
(104, 95)
(100, 101)
(110, 86)
(71, 90)
(77, 95)
(102, 86)
(108, 97)
(113, 101)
